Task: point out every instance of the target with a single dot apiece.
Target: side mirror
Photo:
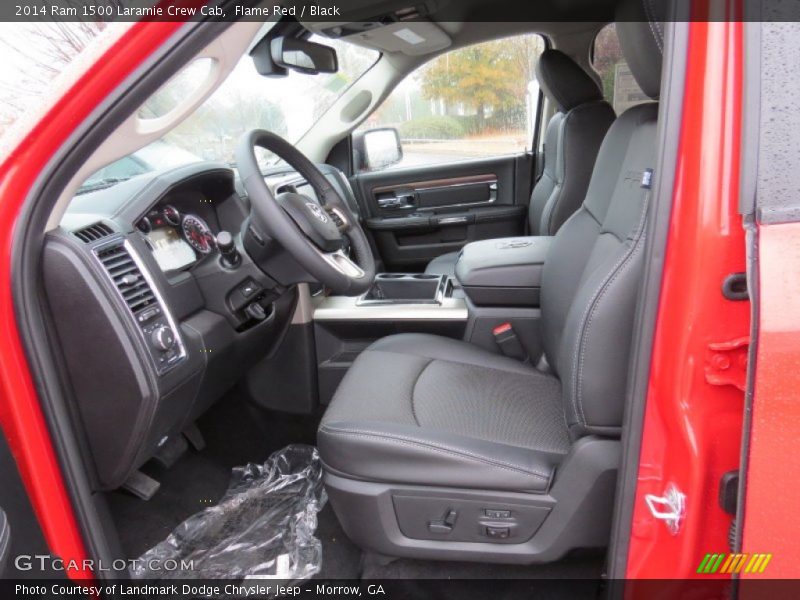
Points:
(304, 56)
(377, 148)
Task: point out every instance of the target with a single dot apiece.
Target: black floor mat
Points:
(195, 482)
(341, 559)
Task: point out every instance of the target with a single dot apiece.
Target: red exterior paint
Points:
(772, 500)
(21, 417)
(692, 428)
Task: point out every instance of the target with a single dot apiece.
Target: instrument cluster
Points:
(177, 240)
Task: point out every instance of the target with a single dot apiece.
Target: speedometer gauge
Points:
(198, 234)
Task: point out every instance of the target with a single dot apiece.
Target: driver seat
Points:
(435, 448)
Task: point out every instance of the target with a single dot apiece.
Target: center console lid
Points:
(503, 272)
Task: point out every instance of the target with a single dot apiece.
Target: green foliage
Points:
(492, 75)
(433, 128)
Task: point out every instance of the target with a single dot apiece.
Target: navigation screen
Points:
(170, 250)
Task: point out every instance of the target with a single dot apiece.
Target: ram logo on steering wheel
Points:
(317, 211)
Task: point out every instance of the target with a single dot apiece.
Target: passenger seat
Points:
(572, 139)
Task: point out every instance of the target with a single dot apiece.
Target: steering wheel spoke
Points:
(342, 263)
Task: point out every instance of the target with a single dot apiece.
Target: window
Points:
(42, 57)
(619, 87)
(475, 102)
(288, 106)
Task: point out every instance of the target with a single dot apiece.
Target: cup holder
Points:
(404, 288)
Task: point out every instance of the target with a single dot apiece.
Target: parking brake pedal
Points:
(141, 485)
(195, 438)
(171, 449)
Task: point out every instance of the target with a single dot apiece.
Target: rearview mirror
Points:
(303, 56)
(378, 148)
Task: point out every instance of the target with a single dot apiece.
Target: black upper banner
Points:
(371, 13)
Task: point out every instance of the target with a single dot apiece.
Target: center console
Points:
(503, 272)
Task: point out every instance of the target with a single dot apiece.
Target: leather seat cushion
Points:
(428, 410)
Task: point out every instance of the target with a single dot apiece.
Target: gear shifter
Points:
(230, 257)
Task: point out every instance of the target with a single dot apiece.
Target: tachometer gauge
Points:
(198, 234)
(171, 215)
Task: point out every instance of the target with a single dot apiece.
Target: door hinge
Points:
(670, 508)
(727, 363)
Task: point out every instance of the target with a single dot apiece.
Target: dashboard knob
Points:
(163, 338)
(226, 244)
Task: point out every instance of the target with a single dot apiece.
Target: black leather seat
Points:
(462, 430)
(572, 139)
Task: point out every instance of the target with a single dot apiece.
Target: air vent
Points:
(127, 277)
(92, 233)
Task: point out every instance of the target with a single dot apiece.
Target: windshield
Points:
(288, 106)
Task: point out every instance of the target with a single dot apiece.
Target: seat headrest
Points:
(640, 27)
(564, 81)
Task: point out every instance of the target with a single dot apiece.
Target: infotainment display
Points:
(170, 250)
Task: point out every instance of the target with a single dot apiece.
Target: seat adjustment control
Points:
(444, 525)
(494, 513)
(498, 533)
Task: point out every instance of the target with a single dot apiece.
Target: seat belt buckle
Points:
(506, 339)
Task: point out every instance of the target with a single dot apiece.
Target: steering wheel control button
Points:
(163, 338)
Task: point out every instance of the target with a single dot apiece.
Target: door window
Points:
(475, 102)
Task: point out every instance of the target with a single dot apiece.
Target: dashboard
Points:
(166, 325)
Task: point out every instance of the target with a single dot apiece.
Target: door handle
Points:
(451, 220)
(454, 220)
(398, 201)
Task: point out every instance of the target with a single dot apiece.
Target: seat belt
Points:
(506, 339)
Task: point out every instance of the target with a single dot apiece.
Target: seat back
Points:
(572, 139)
(593, 269)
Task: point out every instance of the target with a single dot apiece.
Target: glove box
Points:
(503, 272)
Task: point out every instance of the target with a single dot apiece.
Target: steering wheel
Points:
(312, 231)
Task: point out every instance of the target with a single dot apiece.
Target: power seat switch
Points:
(444, 525)
(498, 533)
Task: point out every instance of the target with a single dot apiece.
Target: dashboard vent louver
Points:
(125, 274)
(92, 233)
